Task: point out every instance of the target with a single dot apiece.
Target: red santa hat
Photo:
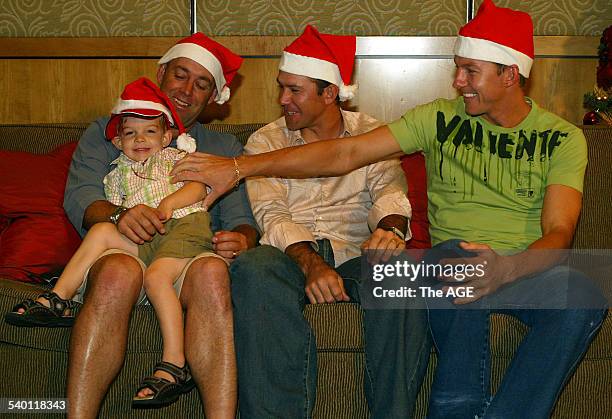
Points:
(322, 56)
(499, 35)
(143, 99)
(222, 63)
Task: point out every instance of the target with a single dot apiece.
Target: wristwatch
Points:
(395, 231)
(116, 215)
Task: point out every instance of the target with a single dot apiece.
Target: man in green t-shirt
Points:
(502, 174)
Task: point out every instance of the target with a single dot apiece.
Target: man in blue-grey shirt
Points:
(193, 73)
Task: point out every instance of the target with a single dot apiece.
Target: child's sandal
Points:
(60, 312)
(164, 392)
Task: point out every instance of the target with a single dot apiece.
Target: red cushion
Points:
(4, 223)
(414, 169)
(34, 183)
(39, 238)
(34, 245)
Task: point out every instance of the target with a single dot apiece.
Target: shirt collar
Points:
(123, 160)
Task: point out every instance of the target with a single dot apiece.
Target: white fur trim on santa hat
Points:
(317, 69)
(186, 143)
(203, 57)
(482, 49)
(347, 92)
(223, 96)
(130, 105)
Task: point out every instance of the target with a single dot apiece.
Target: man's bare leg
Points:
(99, 336)
(209, 335)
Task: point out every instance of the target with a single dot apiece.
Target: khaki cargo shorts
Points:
(185, 237)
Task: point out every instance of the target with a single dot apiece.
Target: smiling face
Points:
(302, 106)
(482, 86)
(140, 138)
(189, 86)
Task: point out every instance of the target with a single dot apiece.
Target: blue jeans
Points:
(276, 351)
(556, 341)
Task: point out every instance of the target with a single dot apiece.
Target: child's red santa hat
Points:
(143, 99)
(322, 56)
(222, 63)
(499, 35)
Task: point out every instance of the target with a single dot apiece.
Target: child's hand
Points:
(165, 211)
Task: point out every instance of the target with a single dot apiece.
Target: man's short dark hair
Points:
(321, 85)
(500, 69)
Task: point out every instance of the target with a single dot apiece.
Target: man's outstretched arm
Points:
(321, 158)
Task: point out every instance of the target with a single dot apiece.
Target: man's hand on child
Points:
(141, 223)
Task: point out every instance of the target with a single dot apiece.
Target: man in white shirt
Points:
(313, 231)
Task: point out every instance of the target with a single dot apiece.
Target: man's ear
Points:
(330, 93)
(511, 75)
(212, 97)
(117, 142)
(161, 70)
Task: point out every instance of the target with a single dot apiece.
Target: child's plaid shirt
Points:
(148, 182)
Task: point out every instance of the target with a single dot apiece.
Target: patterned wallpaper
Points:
(372, 17)
(83, 18)
(74, 18)
(564, 17)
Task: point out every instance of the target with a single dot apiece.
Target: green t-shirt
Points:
(486, 183)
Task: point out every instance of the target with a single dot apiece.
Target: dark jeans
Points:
(556, 341)
(275, 346)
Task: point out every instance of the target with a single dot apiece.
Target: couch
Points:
(34, 361)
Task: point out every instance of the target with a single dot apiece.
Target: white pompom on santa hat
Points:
(142, 98)
(499, 35)
(222, 63)
(322, 56)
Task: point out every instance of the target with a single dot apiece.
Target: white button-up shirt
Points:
(343, 209)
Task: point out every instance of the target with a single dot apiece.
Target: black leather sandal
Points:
(60, 312)
(164, 392)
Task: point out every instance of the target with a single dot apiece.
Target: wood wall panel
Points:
(394, 74)
(153, 46)
(64, 90)
(254, 94)
(559, 85)
(261, 46)
(388, 86)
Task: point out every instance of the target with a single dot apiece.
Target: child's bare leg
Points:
(158, 283)
(100, 238)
